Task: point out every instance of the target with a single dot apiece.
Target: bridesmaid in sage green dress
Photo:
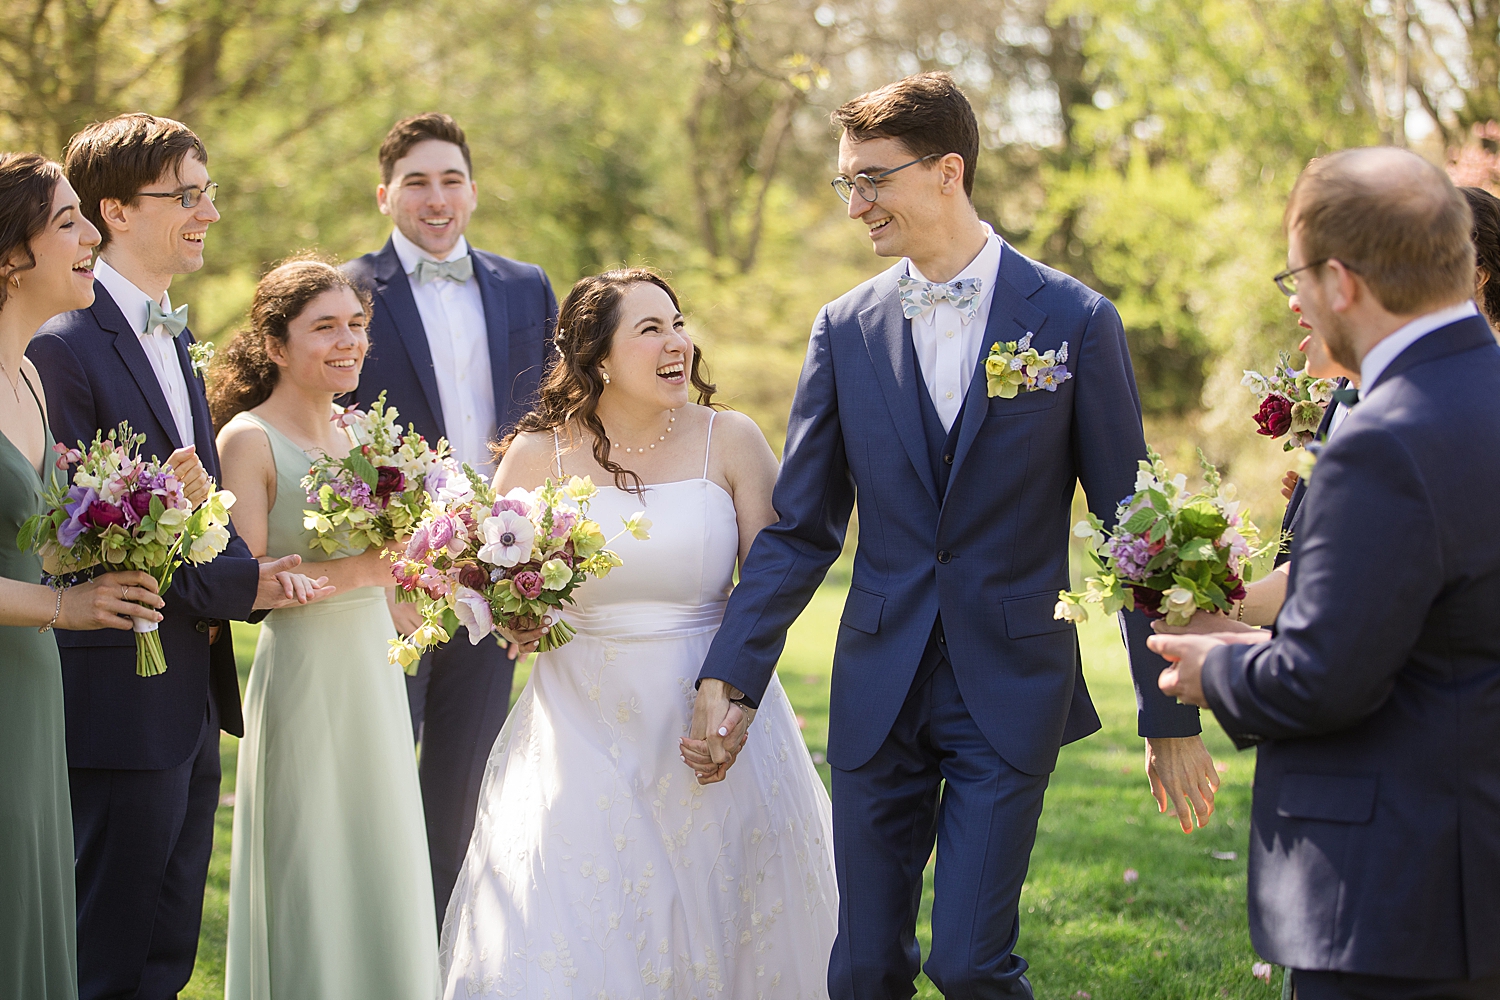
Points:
(45, 250)
(330, 893)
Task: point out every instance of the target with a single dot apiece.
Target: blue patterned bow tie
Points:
(918, 296)
(460, 270)
(173, 322)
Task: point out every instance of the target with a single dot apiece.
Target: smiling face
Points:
(650, 354)
(158, 235)
(430, 196)
(62, 279)
(325, 344)
(908, 211)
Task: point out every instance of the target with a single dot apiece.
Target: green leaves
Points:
(361, 467)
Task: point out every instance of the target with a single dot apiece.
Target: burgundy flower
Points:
(389, 479)
(473, 577)
(528, 583)
(1148, 601)
(1274, 415)
(1237, 593)
(102, 514)
(140, 503)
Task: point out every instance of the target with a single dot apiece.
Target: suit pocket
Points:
(1326, 797)
(862, 611)
(1031, 615)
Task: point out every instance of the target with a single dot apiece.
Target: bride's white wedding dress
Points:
(599, 867)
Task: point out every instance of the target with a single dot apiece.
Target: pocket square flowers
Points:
(1016, 365)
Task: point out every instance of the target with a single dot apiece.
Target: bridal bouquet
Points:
(379, 490)
(1291, 401)
(1171, 552)
(475, 559)
(124, 512)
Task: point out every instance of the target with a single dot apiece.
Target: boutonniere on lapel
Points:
(200, 354)
(1016, 365)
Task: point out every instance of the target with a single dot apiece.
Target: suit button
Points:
(202, 625)
(944, 556)
(948, 459)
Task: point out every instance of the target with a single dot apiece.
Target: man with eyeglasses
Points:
(954, 685)
(143, 752)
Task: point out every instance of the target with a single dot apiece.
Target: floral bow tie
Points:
(918, 297)
(172, 323)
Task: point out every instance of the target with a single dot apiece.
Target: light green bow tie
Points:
(460, 270)
(174, 322)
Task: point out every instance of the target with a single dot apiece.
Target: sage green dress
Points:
(38, 957)
(330, 893)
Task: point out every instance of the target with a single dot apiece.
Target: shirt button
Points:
(949, 334)
(948, 395)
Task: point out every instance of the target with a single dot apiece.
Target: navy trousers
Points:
(459, 698)
(142, 841)
(1309, 985)
(935, 778)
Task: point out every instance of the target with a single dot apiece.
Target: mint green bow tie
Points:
(174, 322)
(460, 270)
(1348, 397)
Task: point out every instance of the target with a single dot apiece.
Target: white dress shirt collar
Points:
(985, 266)
(409, 253)
(134, 303)
(1382, 354)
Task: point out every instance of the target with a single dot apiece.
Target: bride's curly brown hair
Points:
(570, 390)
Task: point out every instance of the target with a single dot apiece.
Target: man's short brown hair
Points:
(117, 158)
(926, 113)
(1392, 218)
(419, 128)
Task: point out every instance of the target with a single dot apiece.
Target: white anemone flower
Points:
(507, 539)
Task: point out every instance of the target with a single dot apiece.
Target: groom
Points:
(953, 684)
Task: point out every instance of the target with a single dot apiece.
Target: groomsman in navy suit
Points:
(1375, 826)
(143, 752)
(953, 683)
(458, 341)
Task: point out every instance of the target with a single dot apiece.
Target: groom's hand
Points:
(718, 722)
(280, 587)
(1182, 771)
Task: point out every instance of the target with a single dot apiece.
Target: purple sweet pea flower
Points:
(78, 502)
(562, 523)
(1132, 555)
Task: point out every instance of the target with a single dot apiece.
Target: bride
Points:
(601, 865)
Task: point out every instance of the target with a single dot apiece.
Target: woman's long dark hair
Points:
(585, 330)
(242, 375)
(28, 182)
(1485, 208)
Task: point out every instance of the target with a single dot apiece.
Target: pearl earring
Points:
(605, 374)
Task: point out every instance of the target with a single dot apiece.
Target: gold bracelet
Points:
(1239, 610)
(56, 614)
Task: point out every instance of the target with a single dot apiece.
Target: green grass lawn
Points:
(1177, 933)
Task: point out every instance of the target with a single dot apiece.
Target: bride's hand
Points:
(696, 754)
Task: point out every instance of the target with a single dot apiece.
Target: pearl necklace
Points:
(671, 419)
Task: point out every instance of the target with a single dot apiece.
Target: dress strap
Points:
(708, 444)
(557, 453)
(46, 427)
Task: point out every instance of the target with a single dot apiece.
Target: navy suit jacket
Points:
(1291, 520)
(519, 309)
(97, 374)
(1375, 827)
(990, 556)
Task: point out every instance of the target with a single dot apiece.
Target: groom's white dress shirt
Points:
(160, 346)
(458, 337)
(947, 347)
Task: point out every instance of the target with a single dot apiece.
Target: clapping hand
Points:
(189, 470)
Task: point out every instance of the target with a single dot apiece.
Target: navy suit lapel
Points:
(128, 345)
(497, 326)
(1012, 316)
(888, 339)
(1463, 335)
(394, 289)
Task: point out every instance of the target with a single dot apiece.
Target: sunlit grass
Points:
(1178, 933)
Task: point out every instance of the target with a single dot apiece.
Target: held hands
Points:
(189, 470)
(110, 601)
(1182, 771)
(718, 732)
(280, 587)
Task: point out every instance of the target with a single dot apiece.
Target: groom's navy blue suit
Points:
(461, 693)
(143, 752)
(949, 665)
(1375, 828)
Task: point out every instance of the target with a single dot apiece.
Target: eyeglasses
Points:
(189, 196)
(865, 183)
(1287, 280)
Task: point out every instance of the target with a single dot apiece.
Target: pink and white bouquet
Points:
(378, 491)
(1291, 402)
(123, 512)
(485, 562)
(1171, 552)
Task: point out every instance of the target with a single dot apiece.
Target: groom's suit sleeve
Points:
(224, 588)
(1350, 623)
(814, 497)
(1107, 444)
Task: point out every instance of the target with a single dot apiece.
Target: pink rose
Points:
(528, 583)
(416, 548)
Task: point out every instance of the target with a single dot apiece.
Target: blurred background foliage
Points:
(1144, 146)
